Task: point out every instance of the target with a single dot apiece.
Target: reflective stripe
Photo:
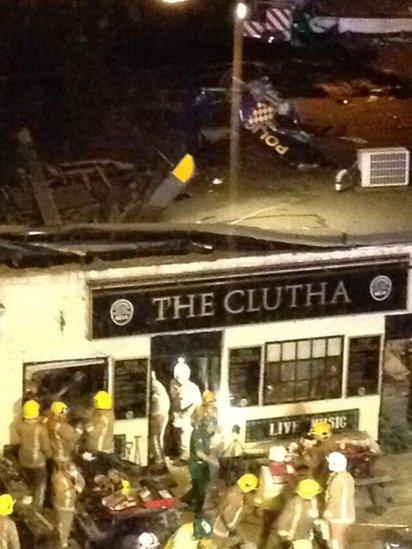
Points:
(344, 503)
(36, 442)
(235, 518)
(100, 440)
(61, 508)
(296, 518)
(59, 441)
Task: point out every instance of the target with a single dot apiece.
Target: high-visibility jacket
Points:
(63, 438)
(99, 431)
(34, 442)
(297, 518)
(9, 537)
(229, 513)
(340, 498)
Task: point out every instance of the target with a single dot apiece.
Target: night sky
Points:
(57, 55)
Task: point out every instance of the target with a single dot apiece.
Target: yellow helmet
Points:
(247, 483)
(321, 429)
(308, 488)
(208, 397)
(31, 409)
(103, 400)
(58, 408)
(6, 505)
(125, 487)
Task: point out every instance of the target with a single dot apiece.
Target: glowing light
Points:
(241, 10)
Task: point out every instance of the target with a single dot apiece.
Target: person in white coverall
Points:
(184, 397)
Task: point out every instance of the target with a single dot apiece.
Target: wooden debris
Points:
(34, 171)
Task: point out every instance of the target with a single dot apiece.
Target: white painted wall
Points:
(31, 332)
(254, 335)
(36, 301)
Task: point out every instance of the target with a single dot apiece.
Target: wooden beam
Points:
(42, 193)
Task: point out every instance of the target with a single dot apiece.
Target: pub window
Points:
(307, 369)
(73, 381)
(244, 372)
(363, 370)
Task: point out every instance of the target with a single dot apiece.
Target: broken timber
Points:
(41, 190)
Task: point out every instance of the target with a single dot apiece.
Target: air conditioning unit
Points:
(386, 167)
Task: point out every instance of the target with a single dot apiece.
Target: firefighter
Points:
(34, 449)
(199, 462)
(323, 445)
(184, 396)
(99, 429)
(339, 500)
(229, 513)
(159, 417)
(192, 535)
(67, 483)
(9, 537)
(63, 436)
(296, 520)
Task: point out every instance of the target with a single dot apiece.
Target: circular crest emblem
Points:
(121, 312)
(380, 288)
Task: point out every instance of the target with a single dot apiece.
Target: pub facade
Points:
(283, 339)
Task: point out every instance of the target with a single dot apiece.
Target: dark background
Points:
(63, 62)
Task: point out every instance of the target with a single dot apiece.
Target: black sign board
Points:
(268, 297)
(295, 426)
(130, 388)
(398, 326)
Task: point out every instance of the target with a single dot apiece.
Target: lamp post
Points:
(236, 91)
(240, 13)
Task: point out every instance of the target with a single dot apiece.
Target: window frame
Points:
(261, 372)
(380, 364)
(148, 386)
(311, 378)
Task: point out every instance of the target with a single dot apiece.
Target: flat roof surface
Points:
(304, 204)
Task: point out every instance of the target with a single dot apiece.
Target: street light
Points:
(236, 89)
(240, 13)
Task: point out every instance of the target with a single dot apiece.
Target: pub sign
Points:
(247, 299)
(296, 426)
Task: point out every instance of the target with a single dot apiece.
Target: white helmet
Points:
(147, 540)
(277, 453)
(337, 462)
(181, 372)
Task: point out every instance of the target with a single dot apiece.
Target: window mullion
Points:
(295, 373)
(263, 354)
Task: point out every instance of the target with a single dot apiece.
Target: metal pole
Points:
(235, 101)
